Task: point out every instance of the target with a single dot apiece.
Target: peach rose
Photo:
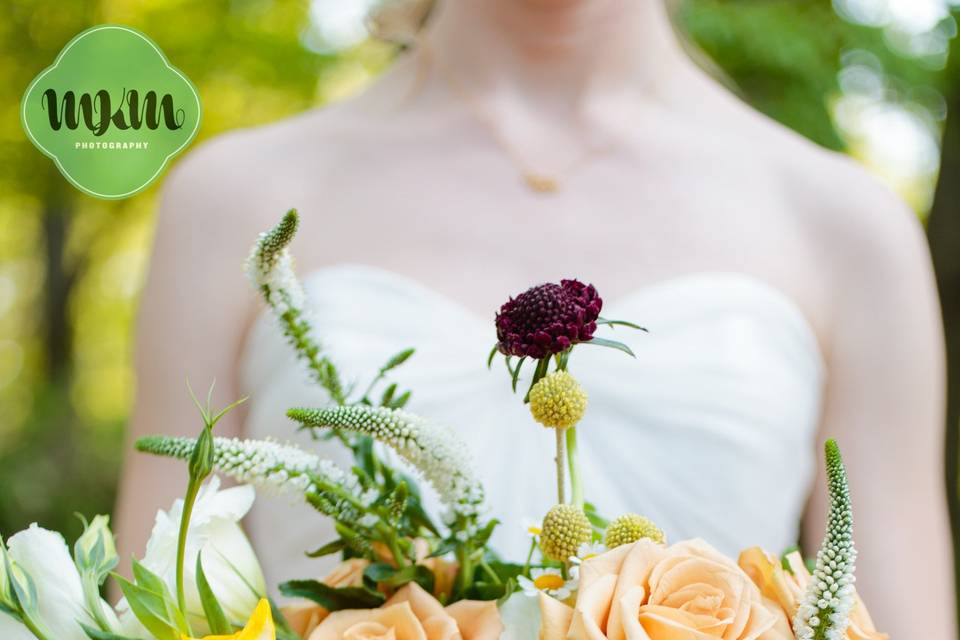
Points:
(788, 587)
(303, 618)
(645, 591)
(413, 614)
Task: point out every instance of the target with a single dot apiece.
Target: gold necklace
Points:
(536, 180)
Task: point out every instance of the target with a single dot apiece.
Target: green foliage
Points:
(216, 619)
(152, 604)
(331, 598)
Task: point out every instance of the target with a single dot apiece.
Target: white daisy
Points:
(533, 528)
(586, 551)
(548, 581)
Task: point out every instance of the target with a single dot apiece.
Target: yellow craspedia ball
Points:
(630, 528)
(565, 528)
(558, 401)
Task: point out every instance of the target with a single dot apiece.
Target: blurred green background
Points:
(871, 77)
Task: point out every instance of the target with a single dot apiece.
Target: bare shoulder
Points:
(245, 175)
(868, 251)
(855, 224)
(863, 229)
(248, 177)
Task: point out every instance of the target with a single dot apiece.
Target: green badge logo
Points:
(111, 111)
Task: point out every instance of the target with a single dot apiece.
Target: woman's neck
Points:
(556, 51)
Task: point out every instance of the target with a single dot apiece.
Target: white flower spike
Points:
(435, 451)
(824, 613)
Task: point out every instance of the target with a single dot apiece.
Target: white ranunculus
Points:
(11, 629)
(229, 562)
(43, 555)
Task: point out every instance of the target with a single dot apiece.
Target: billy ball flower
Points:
(548, 319)
(565, 528)
(631, 527)
(558, 401)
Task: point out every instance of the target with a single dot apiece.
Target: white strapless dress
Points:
(710, 431)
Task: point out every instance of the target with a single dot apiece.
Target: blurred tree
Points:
(71, 266)
(943, 231)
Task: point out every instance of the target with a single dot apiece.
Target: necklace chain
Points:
(535, 179)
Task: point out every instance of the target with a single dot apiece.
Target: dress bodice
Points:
(709, 431)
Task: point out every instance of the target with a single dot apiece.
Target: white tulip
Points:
(229, 563)
(43, 555)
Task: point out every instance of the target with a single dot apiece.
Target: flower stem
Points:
(576, 486)
(192, 489)
(32, 626)
(391, 541)
(561, 464)
(91, 594)
(490, 572)
(465, 560)
(526, 565)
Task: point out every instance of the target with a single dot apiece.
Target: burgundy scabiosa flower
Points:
(548, 319)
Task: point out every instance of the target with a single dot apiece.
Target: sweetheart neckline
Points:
(790, 306)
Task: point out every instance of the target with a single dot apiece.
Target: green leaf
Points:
(379, 572)
(621, 323)
(397, 360)
(284, 632)
(216, 619)
(613, 344)
(595, 518)
(415, 573)
(509, 586)
(493, 354)
(417, 514)
(327, 549)
(488, 590)
(543, 365)
(331, 598)
(363, 454)
(516, 373)
(388, 395)
(400, 402)
(97, 634)
(483, 536)
(150, 608)
(383, 574)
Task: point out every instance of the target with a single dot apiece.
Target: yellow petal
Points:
(259, 627)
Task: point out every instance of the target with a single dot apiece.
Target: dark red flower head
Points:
(548, 319)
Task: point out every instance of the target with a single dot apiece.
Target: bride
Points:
(789, 297)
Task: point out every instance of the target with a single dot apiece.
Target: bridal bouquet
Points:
(406, 574)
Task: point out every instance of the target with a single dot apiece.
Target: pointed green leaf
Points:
(331, 598)
(397, 360)
(621, 323)
(97, 634)
(150, 609)
(328, 549)
(543, 365)
(284, 632)
(516, 373)
(493, 354)
(216, 619)
(388, 395)
(400, 402)
(613, 344)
